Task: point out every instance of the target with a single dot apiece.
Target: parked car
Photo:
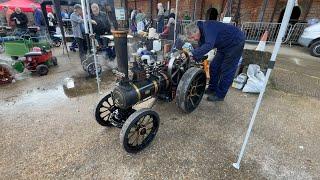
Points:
(311, 38)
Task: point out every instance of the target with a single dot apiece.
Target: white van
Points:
(311, 38)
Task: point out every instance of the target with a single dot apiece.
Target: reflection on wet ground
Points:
(37, 97)
(75, 86)
(81, 84)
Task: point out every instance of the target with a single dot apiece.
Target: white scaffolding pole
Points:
(93, 44)
(175, 24)
(89, 31)
(282, 31)
(84, 13)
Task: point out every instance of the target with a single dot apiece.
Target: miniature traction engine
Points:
(172, 78)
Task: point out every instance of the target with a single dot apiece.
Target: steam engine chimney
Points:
(120, 43)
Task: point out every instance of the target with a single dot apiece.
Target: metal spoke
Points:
(191, 101)
(149, 128)
(140, 139)
(104, 109)
(149, 122)
(146, 121)
(148, 131)
(196, 95)
(132, 138)
(106, 105)
(200, 85)
(131, 134)
(108, 102)
(108, 119)
(136, 141)
(103, 116)
(140, 121)
(133, 129)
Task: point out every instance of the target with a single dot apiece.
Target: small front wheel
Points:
(57, 43)
(54, 61)
(104, 111)
(42, 70)
(139, 130)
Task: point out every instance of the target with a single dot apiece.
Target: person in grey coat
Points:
(78, 30)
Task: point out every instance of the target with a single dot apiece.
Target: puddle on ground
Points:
(38, 97)
(81, 84)
(72, 87)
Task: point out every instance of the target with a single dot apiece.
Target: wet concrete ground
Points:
(47, 133)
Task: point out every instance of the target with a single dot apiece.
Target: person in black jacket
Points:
(101, 27)
(172, 14)
(111, 16)
(102, 24)
(21, 21)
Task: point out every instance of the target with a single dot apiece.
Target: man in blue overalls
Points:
(229, 41)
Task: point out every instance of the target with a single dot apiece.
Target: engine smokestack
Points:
(120, 43)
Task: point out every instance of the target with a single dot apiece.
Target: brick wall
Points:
(249, 9)
(314, 10)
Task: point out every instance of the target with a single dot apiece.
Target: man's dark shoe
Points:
(214, 98)
(209, 92)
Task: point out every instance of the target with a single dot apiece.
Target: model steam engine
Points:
(169, 79)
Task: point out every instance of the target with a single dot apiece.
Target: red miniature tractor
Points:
(39, 60)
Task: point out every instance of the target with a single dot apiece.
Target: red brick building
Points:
(240, 10)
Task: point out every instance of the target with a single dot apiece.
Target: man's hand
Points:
(198, 60)
(94, 22)
(204, 58)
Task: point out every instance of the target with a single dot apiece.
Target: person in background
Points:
(160, 18)
(21, 22)
(111, 16)
(64, 14)
(69, 11)
(101, 27)
(213, 15)
(172, 13)
(168, 31)
(133, 25)
(229, 41)
(186, 16)
(140, 20)
(52, 22)
(77, 28)
(39, 18)
(8, 12)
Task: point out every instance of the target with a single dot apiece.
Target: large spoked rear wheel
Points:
(191, 89)
(139, 130)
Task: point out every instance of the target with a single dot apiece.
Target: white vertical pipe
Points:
(94, 48)
(84, 14)
(282, 31)
(194, 10)
(176, 21)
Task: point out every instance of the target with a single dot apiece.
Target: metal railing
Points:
(182, 24)
(255, 30)
(295, 32)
